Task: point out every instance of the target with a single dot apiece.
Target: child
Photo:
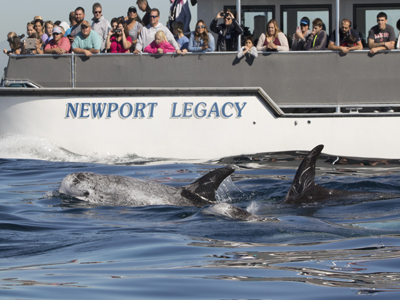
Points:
(351, 41)
(317, 39)
(160, 44)
(181, 39)
(248, 48)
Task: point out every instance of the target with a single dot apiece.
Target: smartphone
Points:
(298, 29)
(30, 43)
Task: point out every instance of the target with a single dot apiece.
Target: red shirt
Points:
(63, 44)
(118, 47)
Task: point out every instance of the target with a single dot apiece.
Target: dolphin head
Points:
(77, 185)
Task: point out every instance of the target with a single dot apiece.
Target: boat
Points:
(213, 105)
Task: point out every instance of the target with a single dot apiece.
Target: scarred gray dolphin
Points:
(304, 190)
(122, 190)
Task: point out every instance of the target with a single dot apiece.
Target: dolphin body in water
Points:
(128, 191)
(304, 190)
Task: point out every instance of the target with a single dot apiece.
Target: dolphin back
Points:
(202, 191)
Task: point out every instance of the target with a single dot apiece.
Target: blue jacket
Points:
(195, 46)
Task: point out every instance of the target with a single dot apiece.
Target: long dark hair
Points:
(204, 36)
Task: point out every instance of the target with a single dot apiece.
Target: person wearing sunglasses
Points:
(100, 25)
(201, 40)
(58, 44)
(134, 26)
(228, 31)
(299, 39)
(15, 44)
(147, 33)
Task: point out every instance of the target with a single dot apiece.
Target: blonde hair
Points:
(161, 35)
(277, 30)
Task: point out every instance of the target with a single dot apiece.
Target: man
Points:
(100, 25)
(300, 36)
(79, 17)
(345, 32)
(381, 36)
(144, 7)
(147, 33)
(87, 41)
(58, 44)
(72, 23)
(179, 11)
(317, 39)
(228, 31)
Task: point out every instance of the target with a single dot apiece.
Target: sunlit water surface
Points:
(63, 248)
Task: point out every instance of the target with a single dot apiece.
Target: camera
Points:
(117, 30)
(16, 41)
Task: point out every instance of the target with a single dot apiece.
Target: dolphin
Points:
(304, 190)
(128, 191)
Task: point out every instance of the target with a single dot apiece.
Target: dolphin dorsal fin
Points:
(207, 185)
(305, 176)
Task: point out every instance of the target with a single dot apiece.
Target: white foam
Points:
(20, 146)
(226, 191)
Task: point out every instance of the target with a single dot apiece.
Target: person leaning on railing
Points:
(87, 41)
(200, 39)
(345, 32)
(181, 39)
(381, 37)
(317, 39)
(273, 39)
(160, 44)
(38, 45)
(58, 44)
(248, 48)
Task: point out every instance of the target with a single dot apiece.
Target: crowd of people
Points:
(131, 34)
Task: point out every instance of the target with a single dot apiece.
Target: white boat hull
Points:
(192, 127)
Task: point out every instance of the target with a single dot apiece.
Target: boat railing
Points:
(297, 81)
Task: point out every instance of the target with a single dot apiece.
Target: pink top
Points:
(152, 48)
(118, 47)
(63, 44)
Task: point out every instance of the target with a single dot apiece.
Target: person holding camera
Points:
(15, 43)
(228, 31)
(118, 40)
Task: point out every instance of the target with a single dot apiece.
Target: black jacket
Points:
(227, 37)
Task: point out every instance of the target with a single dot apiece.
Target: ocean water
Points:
(54, 247)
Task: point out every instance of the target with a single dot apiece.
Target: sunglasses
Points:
(201, 26)
(303, 25)
(56, 33)
(153, 17)
(97, 12)
(84, 27)
(228, 19)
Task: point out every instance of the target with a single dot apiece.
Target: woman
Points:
(39, 27)
(118, 40)
(134, 26)
(273, 40)
(201, 40)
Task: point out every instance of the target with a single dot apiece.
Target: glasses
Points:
(56, 33)
(97, 12)
(84, 27)
(303, 25)
(201, 26)
(153, 17)
(228, 19)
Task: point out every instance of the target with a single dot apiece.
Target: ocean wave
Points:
(18, 146)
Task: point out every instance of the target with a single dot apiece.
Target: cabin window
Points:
(254, 18)
(364, 17)
(292, 14)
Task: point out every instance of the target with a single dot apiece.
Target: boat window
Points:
(254, 18)
(292, 14)
(364, 17)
